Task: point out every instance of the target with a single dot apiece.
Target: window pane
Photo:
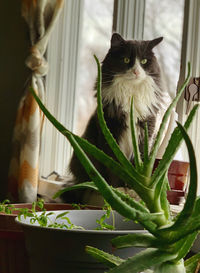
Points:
(165, 18)
(96, 33)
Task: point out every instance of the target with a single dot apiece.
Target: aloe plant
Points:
(168, 240)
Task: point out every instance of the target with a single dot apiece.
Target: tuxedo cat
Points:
(130, 69)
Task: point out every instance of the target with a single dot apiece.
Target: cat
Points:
(130, 69)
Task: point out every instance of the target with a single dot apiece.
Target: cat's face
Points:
(130, 60)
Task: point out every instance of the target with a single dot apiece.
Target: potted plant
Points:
(168, 239)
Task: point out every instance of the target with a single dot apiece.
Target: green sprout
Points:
(6, 207)
(102, 224)
(168, 239)
(44, 220)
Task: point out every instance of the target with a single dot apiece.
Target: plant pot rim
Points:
(24, 223)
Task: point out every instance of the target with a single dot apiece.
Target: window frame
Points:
(62, 56)
(65, 61)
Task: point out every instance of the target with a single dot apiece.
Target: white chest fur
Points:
(143, 91)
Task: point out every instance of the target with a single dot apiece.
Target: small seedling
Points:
(102, 224)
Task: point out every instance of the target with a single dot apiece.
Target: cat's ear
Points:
(117, 40)
(154, 42)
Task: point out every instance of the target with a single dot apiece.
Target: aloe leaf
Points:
(191, 204)
(137, 158)
(146, 145)
(129, 200)
(131, 179)
(163, 200)
(192, 263)
(191, 196)
(192, 192)
(106, 132)
(143, 260)
(137, 240)
(187, 227)
(144, 217)
(84, 185)
(159, 187)
(174, 235)
(185, 245)
(104, 257)
(161, 195)
(163, 124)
(172, 148)
(197, 207)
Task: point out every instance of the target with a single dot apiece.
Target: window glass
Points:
(96, 33)
(165, 18)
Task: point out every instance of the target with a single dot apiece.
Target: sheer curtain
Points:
(41, 16)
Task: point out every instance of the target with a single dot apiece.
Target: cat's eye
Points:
(143, 61)
(126, 60)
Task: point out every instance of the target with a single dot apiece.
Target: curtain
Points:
(40, 16)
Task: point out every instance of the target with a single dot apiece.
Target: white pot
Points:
(53, 250)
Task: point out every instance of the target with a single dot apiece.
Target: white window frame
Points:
(129, 18)
(63, 53)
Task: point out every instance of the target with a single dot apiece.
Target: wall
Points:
(13, 74)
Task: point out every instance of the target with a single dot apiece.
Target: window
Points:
(165, 18)
(95, 39)
(75, 41)
(84, 29)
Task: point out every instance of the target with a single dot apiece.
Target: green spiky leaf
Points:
(108, 259)
(137, 157)
(137, 240)
(143, 260)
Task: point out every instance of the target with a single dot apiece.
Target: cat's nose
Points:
(136, 72)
